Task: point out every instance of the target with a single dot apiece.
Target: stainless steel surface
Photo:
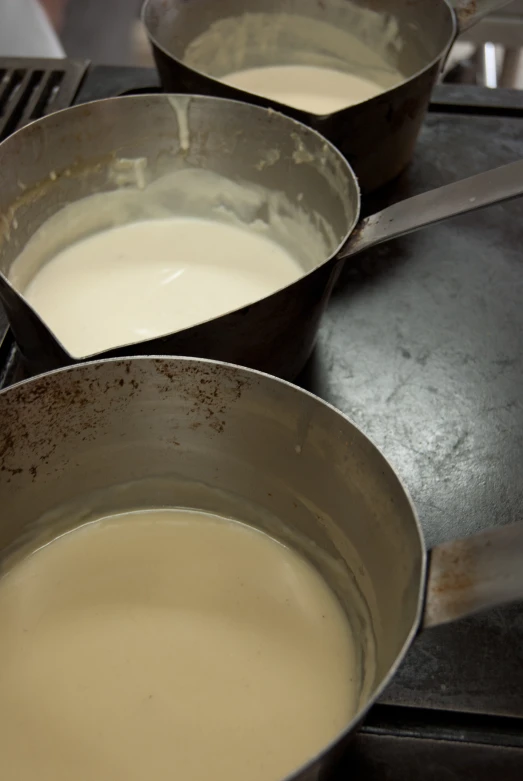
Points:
(152, 432)
(376, 136)
(476, 192)
(120, 434)
(480, 572)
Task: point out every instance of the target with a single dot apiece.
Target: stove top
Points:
(421, 347)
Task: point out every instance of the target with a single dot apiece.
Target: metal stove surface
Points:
(422, 346)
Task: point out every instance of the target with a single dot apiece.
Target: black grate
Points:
(30, 89)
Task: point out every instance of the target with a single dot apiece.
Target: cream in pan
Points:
(313, 89)
(142, 280)
(169, 643)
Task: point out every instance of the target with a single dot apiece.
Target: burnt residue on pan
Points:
(466, 10)
(453, 575)
(209, 388)
(82, 401)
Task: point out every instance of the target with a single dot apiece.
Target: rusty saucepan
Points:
(197, 43)
(249, 163)
(154, 432)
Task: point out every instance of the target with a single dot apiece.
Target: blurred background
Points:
(109, 32)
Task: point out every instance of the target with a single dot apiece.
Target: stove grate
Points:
(32, 88)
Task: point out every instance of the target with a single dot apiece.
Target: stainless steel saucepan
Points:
(151, 432)
(284, 175)
(197, 42)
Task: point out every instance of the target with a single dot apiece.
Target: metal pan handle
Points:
(467, 195)
(473, 574)
(469, 12)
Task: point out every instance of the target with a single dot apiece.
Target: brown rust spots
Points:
(78, 404)
(466, 10)
(455, 565)
(6, 444)
(452, 582)
(210, 389)
(40, 414)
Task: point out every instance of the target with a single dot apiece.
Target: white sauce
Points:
(317, 90)
(169, 644)
(180, 106)
(150, 278)
(342, 55)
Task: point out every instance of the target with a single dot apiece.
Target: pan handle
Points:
(473, 574)
(469, 12)
(467, 195)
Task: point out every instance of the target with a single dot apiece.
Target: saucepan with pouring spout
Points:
(203, 47)
(121, 434)
(121, 160)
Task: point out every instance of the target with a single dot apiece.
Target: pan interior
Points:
(356, 36)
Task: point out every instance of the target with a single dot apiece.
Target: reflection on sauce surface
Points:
(164, 644)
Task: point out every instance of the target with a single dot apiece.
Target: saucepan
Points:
(249, 162)
(198, 42)
(121, 434)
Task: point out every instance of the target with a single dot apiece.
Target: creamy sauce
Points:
(318, 90)
(164, 644)
(150, 278)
